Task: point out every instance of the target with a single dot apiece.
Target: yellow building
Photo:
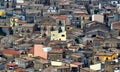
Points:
(105, 56)
(2, 13)
(30, 55)
(31, 52)
(56, 35)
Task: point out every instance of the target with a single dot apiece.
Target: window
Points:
(62, 7)
(20, 24)
(106, 58)
(53, 34)
(60, 23)
(97, 59)
(118, 45)
(119, 33)
(77, 18)
(63, 35)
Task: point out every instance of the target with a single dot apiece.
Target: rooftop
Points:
(10, 51)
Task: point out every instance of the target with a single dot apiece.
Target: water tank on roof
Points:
(47, 49)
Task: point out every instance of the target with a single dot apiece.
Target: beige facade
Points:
(55, 35)
(98, 17)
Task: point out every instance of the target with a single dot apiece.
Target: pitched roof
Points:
(19, 70)
(11, 64)
(62, 17)
(10, 51)
(104, 54)
(116, 25)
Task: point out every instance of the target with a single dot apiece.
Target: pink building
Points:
(38, 51)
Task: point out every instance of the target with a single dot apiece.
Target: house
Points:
(98, 66)
(62, 20)
(105, 56)
(31, 52)
(19, 70)
(96, 29)
(56, 54)
(24, 29)
(64, 4)
(98, 17)
(60, 32)
(76, 57)
(2, 65)
(97, 42)
(84, 19)
(76, 21)
(57, 35)
(57, 69)
(39, 51)
(74, 48)
(115, 30)
(2, 13)
(10, 67)
(86, 69)
(52, 10)
(11, 53)
(8, 40)
(80, 17)
(24, 62)
(47, 25)
(18, 41)
(111, 43)
(41, 64)
(76, 66)
(14, 21)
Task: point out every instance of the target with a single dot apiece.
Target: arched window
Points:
(59, 30)
(52, 29)
(60, 23)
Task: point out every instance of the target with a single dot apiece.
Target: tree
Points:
(96, 11)
(77, 40)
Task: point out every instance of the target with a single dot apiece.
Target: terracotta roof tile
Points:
(19, 70)
(11, 64)
(10, 51)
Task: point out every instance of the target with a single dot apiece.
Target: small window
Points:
(63, 35)
(106, 58)
(77, 18)
(53, 34)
